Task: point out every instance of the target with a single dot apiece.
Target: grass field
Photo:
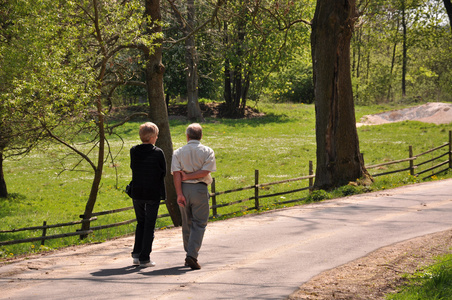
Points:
(279, 145)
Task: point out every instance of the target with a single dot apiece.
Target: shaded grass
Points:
(279, 145)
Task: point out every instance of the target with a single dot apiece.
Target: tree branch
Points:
(110, 129)
(71, 147)
(194, 31)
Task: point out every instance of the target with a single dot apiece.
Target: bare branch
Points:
(110, 129)
(50, 133)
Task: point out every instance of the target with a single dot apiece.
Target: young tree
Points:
(74, 66)
(338, 156)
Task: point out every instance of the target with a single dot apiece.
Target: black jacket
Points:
(148, 172)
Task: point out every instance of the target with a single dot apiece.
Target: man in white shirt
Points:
(191, 167)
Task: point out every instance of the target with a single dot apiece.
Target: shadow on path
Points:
(118, 271)
(166, 272)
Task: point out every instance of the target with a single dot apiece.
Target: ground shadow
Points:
(165, 272)
(118, 271)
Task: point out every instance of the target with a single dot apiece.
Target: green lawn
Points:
(279, 145)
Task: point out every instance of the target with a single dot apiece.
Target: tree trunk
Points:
(448, 6)
(158, 112)
(236, 79)
(393, 56)
(358, 63)
(101, 127)
(338, 156)
(191, 59)
(227, 68)
(3, 189)
(404, 50)
(89, 207)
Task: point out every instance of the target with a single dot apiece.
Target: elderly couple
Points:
(191, 166)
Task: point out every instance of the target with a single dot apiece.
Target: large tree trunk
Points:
(158, 112)
(191, 59)
(338, 156)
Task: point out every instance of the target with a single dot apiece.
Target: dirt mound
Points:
(435, 112)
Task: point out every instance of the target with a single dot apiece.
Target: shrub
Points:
(318, 195)
(348, 190)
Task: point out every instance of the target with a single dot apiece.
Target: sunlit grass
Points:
(433, 282)
(279, 145)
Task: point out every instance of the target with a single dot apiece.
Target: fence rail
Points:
(436, 164)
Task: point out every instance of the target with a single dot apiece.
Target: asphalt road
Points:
(265, 256)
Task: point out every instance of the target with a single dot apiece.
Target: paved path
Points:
(264, 256)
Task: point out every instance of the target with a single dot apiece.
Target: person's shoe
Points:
(147, 264)
(136, 262)
(192, 263)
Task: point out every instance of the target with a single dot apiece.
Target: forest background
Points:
(66, 66)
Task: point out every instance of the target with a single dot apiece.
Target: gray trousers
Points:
(194, 215)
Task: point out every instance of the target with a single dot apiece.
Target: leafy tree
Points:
(385, 61)
(292, 81)
(256, 38)
(77, 61)
(34, 71)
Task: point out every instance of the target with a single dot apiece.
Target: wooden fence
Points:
(418, 165)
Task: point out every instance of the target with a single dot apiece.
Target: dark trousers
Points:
(146, 213)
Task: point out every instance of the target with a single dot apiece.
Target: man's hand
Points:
(181, 200)
(177, 176)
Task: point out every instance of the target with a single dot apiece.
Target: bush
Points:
(318, 195)
(348, 190)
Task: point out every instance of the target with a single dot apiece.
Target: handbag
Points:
(129, 189)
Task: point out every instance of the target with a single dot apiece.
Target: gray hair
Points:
(194, 131)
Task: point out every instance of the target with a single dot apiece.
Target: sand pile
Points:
(436, 112)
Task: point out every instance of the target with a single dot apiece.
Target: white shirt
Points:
(193, 157)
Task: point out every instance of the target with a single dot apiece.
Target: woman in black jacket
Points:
(148, 187)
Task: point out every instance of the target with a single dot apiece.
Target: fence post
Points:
(44, 232)
(256, 189)
(311, 180)
(410, 153)
(450, 149)
(214, 198)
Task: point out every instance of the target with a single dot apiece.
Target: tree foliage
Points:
(392, 47)
(75, 57)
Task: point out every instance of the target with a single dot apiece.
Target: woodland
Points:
(64, 65)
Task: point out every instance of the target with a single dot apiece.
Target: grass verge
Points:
(433, 282)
